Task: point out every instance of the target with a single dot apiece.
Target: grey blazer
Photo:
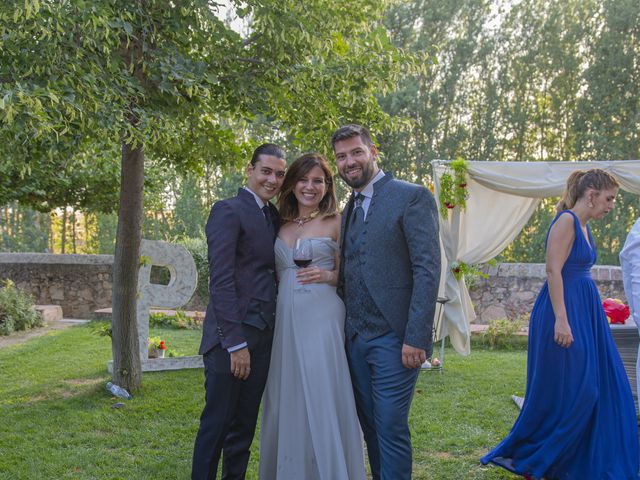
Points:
(402, 262)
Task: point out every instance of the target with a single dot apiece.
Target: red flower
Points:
(449, 205)
(162, 346)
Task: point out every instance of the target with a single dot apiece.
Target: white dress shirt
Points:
(259, 201)
(367, 193)
(630, 263)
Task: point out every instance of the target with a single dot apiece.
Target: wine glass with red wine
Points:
(302, 256)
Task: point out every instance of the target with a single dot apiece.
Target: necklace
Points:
(302, 220)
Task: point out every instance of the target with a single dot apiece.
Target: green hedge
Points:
(17, 310)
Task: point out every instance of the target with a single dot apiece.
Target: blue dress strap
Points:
(576, 223)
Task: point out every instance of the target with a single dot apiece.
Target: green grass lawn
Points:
(57, 420)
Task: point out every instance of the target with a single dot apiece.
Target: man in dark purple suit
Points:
(238, 326)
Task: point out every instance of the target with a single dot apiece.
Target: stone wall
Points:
(80, 284)
(511, 289)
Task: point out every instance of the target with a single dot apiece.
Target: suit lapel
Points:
(345, 223)
(248, 198)
(382, 182)
(349, 209)
(252, 206)
(275, 215)
(343, 233)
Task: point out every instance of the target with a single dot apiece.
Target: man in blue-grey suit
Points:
(238, 326)
(389, 275)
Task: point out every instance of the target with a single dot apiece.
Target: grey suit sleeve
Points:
(420, 225)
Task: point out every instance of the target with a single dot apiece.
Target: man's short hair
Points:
(267, 149)
(349, 131)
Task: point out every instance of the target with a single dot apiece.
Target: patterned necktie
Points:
(357, 218)
(269, 218)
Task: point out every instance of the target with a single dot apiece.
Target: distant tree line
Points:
(532, 80)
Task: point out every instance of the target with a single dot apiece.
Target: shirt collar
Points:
(258, 199)
(368, 190)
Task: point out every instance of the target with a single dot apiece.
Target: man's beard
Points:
(355, 183)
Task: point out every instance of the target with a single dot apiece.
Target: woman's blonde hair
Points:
(582, 180)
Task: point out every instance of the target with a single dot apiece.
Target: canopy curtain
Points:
(502, 198)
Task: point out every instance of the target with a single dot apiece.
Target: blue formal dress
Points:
(578, 421)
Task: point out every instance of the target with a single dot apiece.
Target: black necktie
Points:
(357, 218)
(269, 218)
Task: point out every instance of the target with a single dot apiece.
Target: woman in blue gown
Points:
(578, 420)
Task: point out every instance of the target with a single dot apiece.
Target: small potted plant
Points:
(161, 349)
(154, 348)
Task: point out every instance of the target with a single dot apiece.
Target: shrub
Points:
(501, 334)
(17, 311)
(160, 320)
(102, 328)
(6, 324)
(180, 321)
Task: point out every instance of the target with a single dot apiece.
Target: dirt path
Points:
(21, 337)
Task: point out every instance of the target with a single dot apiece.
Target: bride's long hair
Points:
(287, 202)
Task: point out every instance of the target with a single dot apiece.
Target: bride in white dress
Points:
(309, 424)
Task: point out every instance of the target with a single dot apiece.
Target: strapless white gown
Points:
(309, 426)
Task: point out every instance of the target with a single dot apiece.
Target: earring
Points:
(590, 205)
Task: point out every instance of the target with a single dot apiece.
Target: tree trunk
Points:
(73, 230)
(207, 184)
(88, 244)
(125, 346)
(165, 223)
(6, 228)
(15, 224)
(63, 230)
(44, 220)
(51, 235)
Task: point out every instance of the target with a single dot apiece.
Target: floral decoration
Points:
(470, 272)
(453, 187)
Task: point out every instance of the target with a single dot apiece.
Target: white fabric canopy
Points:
(502, 198)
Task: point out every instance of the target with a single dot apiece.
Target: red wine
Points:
(302, 263)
